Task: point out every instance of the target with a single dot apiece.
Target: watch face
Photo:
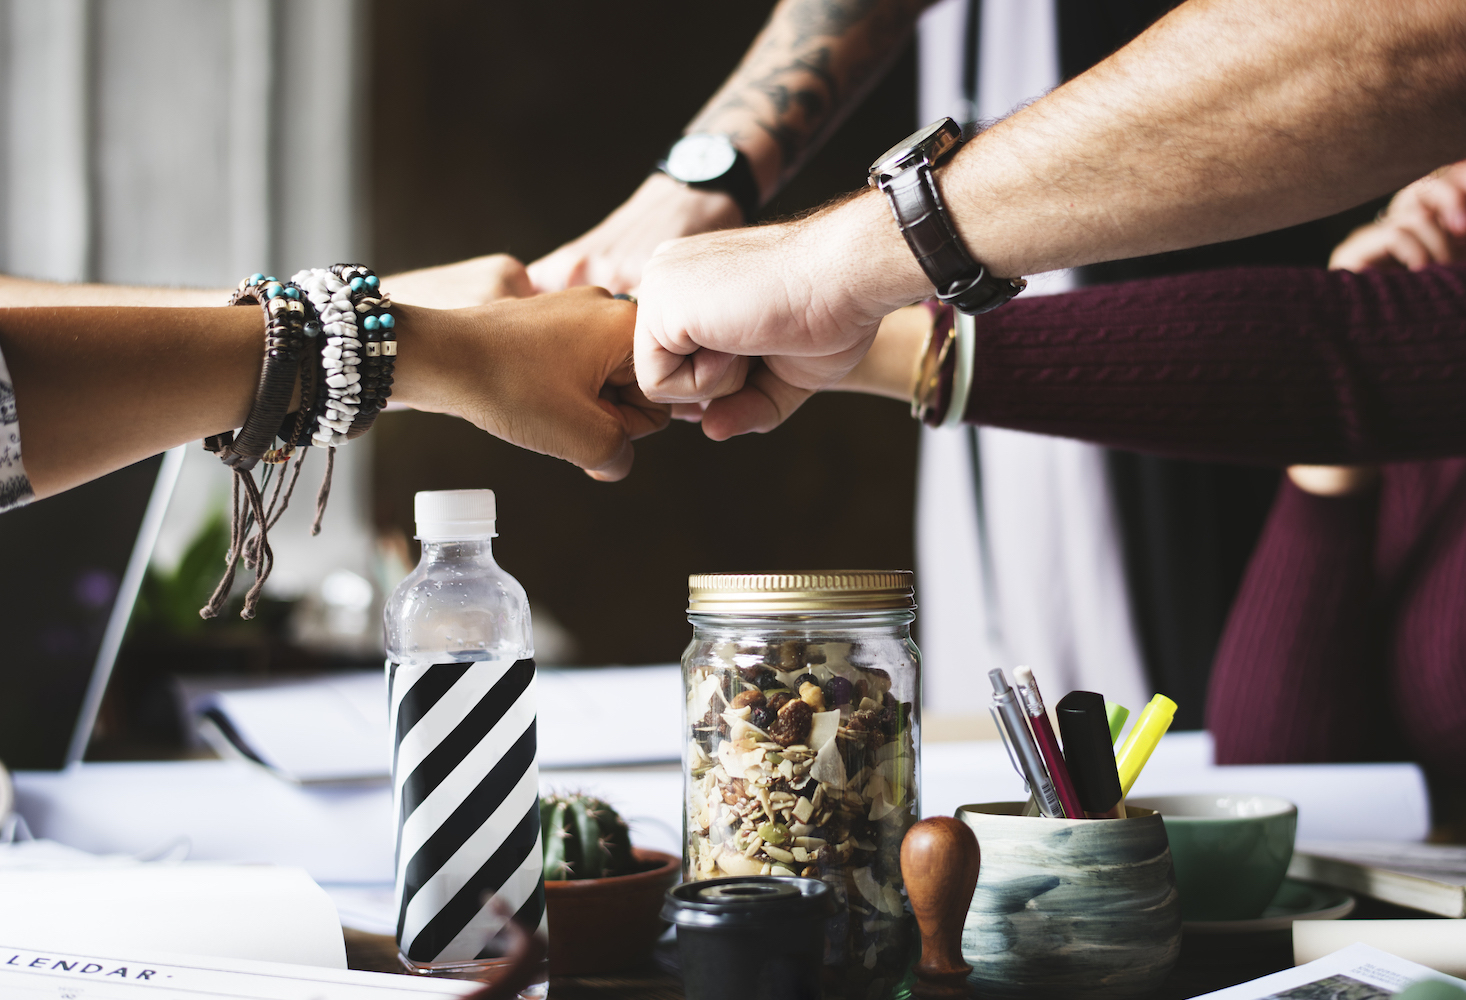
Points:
(930, 144)
(701, 157)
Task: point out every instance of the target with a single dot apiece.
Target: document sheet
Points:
(1358, 972)
(57, 974)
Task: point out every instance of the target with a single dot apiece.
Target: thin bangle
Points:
(966, 337)
(935, 347)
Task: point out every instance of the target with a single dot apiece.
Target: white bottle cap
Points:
(443, 514)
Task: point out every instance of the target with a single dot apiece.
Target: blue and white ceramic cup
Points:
(1073, 908)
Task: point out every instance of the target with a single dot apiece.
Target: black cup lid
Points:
(723, 901)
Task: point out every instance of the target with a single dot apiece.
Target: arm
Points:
(1264, 365)
(473, 282)
(1224, 119)
(809, 67)
(99, 388)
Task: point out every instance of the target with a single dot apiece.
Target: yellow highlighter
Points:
(1141, 743)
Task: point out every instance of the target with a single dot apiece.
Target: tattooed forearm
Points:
(804, 73)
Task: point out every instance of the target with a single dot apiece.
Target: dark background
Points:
(517, 127)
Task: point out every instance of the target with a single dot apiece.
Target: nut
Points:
(754, 699)
(811, 695)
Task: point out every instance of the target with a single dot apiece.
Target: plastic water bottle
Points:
(460, 680)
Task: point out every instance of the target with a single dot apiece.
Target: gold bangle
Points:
(929, 371)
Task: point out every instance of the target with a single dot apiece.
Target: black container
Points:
(756, 937)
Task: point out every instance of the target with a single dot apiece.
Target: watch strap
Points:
(737, 182)
(960, 281)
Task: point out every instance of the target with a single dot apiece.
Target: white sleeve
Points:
(15, 487)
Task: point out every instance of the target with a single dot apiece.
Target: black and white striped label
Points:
(466, 799)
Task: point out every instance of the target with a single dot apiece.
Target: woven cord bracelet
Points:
(285, 318)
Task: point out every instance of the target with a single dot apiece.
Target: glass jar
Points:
(803, 721)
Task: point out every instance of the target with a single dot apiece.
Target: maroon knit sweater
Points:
(1347, 640)
(1260, 365)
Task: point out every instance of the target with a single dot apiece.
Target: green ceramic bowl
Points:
(1230, 851)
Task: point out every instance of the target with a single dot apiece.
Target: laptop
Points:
(70, 569)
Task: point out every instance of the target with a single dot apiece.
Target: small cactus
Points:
(583, 837)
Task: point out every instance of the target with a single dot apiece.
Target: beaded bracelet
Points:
(340, 355)
(376, 329)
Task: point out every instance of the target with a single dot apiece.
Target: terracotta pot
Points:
(609, 924)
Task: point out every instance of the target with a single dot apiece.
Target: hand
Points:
(474, 282)
(613, 253)
(805, 296)
(1424, 224)
(550, 373)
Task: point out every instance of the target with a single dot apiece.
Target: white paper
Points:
(602, 716)
(240, 911)
(330, 729)
(30, 974)
(219, 810)
(1357, 964)
(1436, 944)
(1335, 801)
(334, 728)
(1439, 862)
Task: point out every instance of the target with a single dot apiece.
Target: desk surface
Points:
(1208, 962)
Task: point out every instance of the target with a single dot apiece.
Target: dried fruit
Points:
(838, 691)
(763, 717)
(768, 681)
(755, 674)
(714, 720)
(779, 699)
(754, 699)
(890, 712)
(792, 725)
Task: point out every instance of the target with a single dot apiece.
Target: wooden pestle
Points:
(939, 864)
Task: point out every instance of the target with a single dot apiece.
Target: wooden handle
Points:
(939, 864)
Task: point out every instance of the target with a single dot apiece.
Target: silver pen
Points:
(1013, 717)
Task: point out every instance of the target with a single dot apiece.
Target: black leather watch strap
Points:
(960, 281)
(737, 182)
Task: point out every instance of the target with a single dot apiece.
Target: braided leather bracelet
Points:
(285, 338)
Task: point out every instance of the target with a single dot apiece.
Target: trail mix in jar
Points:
(801, 762)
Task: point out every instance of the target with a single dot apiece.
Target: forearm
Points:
(1265, 365)
(98, 388)
(1225, 119)
(807, 69)
(27, 292)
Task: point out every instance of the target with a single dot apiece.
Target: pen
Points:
(1117, 714)
(1021, 741)
(1012, 758)
(1154, 720)
(1090, 754)
(1048, 743)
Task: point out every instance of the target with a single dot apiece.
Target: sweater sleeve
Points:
(1262, 365)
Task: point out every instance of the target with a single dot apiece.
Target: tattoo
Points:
(810, 61)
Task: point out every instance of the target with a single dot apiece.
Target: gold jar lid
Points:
(776, 593)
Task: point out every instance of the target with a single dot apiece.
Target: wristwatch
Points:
(707, 161)
(906, 173)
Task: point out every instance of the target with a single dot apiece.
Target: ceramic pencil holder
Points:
(1082, 908)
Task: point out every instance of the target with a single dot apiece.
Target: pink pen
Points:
(1048, 743)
